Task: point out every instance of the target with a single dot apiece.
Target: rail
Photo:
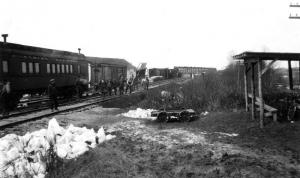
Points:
(42, 112)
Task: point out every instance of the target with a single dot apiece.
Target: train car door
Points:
(107, 73)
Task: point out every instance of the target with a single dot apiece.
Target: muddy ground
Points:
(221, 144)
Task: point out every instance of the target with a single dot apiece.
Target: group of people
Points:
(121, 86)
(109, 87)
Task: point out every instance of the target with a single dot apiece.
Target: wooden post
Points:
(253, 92)
(245, 86)
(299, 72)
(290, 75)
(238, 77)
(260, 94)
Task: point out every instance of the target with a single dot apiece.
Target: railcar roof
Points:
(108, 61)
(13, 47)
(247, 55)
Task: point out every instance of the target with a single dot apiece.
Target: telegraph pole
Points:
(296, 5)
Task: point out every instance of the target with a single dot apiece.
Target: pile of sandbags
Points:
(23, 156)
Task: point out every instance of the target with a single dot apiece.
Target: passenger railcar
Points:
(29, 69)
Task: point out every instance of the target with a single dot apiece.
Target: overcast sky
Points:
(163, 33)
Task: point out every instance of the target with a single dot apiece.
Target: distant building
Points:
(191, 71)
(158, 72)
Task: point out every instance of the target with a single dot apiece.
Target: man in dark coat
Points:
(115, 86)
(109, 87)
(4, 97)
(121, 86)
(147, 83)
(78, 88)
(52, 92)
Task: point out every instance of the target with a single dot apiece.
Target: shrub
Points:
(210, 92)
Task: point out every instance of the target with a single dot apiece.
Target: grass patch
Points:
(209, 94)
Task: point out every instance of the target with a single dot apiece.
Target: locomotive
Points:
(29, 69)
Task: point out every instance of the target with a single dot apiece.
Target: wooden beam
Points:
(294, 5)
(252, 92)
(290, 75)
(246, 87)
(294, 17)
(260, 95)
(268, 67)
(254, 62)
(271, 111)
(238, 77)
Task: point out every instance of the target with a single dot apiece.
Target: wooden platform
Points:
(271, 112)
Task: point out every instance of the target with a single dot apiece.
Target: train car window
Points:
(48, 68)
(53, 68)
(30, 67)
(58, 68)
(67, 69)
(71, 69)
(62, 68)
(4, 66)
(24, 69)
(37, 68)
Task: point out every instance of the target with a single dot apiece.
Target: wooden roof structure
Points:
(107, 61)
(247, 55)
(251, 59)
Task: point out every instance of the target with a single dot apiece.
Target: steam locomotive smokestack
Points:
(4, 37)
(79, 49)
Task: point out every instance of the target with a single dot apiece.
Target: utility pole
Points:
(296, 15)
(238, 75)
(296, 5)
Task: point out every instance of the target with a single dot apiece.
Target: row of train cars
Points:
(29, 69)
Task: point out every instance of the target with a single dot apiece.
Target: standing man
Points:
(147, 83)
(78, 87)
(4, 97)
(109, 87)
(129, 84)
(121, 86)
(52, 93)
(115, 86)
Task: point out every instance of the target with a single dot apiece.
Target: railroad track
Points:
(44, 111)
(38, 104)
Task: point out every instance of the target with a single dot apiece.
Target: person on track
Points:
(5, 97)
(78, 88)
(129, 84)
(52, 93)
(115, 85)
(109, 87)
(102, 87)
(121, 86)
